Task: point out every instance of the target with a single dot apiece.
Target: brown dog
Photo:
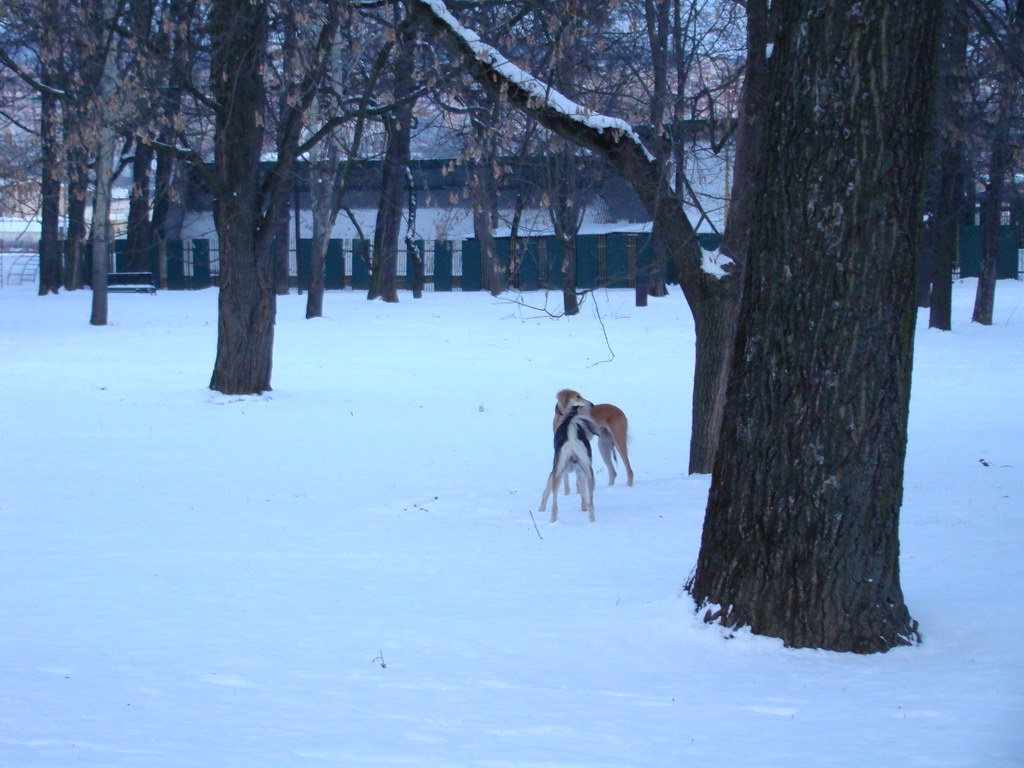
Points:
(612, 430)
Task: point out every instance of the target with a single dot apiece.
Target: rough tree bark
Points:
(246, 203)
(247, 301)
(801, 536)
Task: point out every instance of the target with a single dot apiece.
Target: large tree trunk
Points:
(801, 537)
(247, 301)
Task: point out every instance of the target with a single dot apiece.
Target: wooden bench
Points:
(131, 282)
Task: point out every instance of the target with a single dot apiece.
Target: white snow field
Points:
(351, 570)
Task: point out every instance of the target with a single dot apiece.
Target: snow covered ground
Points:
(351, 571)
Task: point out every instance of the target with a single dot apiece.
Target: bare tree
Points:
(247, 202)
(943, 230)
(102, 236)
(339, 108)
(395, 164)
(1000, 162)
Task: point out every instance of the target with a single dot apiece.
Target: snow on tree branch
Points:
(553, 108)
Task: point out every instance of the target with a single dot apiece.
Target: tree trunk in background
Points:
(169, 192)
(140, 232)
(102, 236)
(992, 209)
(283, 220)
(801, 536)
(74, 247)
(718, 305)
(384, 270)
(566, 210)
(395, 168)
(949, 204)
(483, 197)
(282, 243)
(50, 150)
(1000, 162)
(49, 238)
(323, 178)
(247, 303)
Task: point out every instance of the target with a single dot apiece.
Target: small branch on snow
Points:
(535, 526)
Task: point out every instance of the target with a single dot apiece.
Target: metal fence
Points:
(616, 260)
(1010, 264)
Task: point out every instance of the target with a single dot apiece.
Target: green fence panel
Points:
(303, 257)
(551, 270)
(529, 270)
(360, 265)
(586, 261)
(644, 258)
(443, 266)
(201, 274)
(118, 260)
(472, 279)
(410, 265)
(334, 263)
(616, 259)
(709, 241)
(175, 265)
(334, 266)
(971, 247)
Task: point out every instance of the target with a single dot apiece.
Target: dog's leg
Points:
(606, 443)
(547, 491)
(620, 443)
(554, 498)
(565, 477)
(588, 482)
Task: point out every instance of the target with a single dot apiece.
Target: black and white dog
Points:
(572, 454)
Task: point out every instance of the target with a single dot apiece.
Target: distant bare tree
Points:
(247, 202)
(395, 164)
